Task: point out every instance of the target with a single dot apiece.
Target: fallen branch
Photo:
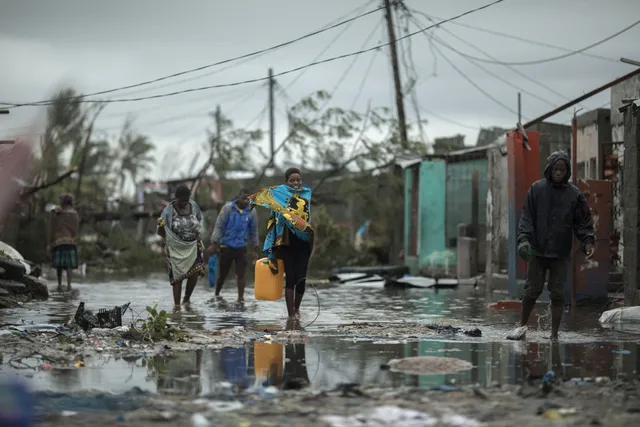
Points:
(33, 190)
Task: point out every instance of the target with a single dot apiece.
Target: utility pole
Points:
(397, 238)
(396, 74)
(272, 128)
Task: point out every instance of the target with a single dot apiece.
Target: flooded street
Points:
(330, 357)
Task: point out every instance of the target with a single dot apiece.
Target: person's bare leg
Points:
(556, 319)
(298, 302)
(59, 271)
(177, 292)
(241, 268)
(290, 299)
(191, 285)
(69, 277)
(527, 307)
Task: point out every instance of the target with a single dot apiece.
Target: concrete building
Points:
(593, 144)
(628, 89)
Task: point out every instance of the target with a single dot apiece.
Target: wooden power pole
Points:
(398, 227)
(272, 120)
(402, 122)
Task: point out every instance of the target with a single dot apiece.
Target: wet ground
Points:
(333, 353)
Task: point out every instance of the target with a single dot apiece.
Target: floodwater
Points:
(331, 358)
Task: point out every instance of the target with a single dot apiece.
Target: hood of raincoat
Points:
(552, 159)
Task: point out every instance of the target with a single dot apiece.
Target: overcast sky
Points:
(97, 45)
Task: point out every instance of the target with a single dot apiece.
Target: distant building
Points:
(447, 144)
(489, 135)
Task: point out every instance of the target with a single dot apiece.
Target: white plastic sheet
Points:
(621, 315)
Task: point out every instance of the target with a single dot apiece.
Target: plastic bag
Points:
(621, 315)
(213, 270)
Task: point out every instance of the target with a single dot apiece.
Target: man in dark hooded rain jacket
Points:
(554, 210)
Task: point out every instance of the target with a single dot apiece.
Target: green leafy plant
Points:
(156, 326)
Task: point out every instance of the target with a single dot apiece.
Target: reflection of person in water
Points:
(180, 374)
(235, 367)
(295, 375)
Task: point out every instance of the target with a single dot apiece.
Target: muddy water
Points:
(330, 357)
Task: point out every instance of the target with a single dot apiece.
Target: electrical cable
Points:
(515, 70)
(238, 83)
(555, 58)
(247, 55)
(320, 110)
(317, 296)
(364, 80)
(474, 84)
(526, 40)
(326, 48)
(453, 122)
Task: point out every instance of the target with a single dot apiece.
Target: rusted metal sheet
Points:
(591, 276)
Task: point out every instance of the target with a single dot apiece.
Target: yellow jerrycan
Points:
(268, 286)
(268, 360)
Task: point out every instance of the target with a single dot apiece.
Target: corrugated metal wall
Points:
(459, 195)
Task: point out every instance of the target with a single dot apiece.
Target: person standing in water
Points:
(63, 235)
(554, 210)
(180, 224)
(289, 234)
(235, 224)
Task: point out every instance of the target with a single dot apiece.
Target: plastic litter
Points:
(383, 416)
(621, 315)
(455, 420)
(199, 420)
(621, 351)
(518, 334)
(104, 319)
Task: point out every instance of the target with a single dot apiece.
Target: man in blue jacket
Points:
(236, 224)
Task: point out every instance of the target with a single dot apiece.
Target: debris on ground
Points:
(405, 330)
(86, 319)
(428, 365)
(591, 404)
(518, 334)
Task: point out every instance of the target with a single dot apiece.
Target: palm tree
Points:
(135, 154)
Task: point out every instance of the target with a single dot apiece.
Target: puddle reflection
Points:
(327, 362)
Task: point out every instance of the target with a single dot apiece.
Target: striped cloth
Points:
(64, 256)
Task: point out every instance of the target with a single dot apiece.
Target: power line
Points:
(252, 58)
(320, 110)
(515, 70)
(453, 122)
(324, 61)
(204, 67)
(364, 80)
(328, 46)
(474, 84)
(555, 58)
(526, 40)
(491, 73)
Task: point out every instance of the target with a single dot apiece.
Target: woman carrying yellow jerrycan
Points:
(289, 242)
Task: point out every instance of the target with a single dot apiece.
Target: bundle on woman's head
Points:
(290, 172)
(182, 192)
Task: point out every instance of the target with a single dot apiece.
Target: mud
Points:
(405, 330)
(349, 405)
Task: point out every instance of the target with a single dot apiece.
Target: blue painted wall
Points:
(432, 249)
(459, 194)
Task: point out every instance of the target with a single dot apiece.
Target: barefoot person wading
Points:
(180, 224)
(554, 210)
(236, 224)
(63, 235)
(290, 236)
